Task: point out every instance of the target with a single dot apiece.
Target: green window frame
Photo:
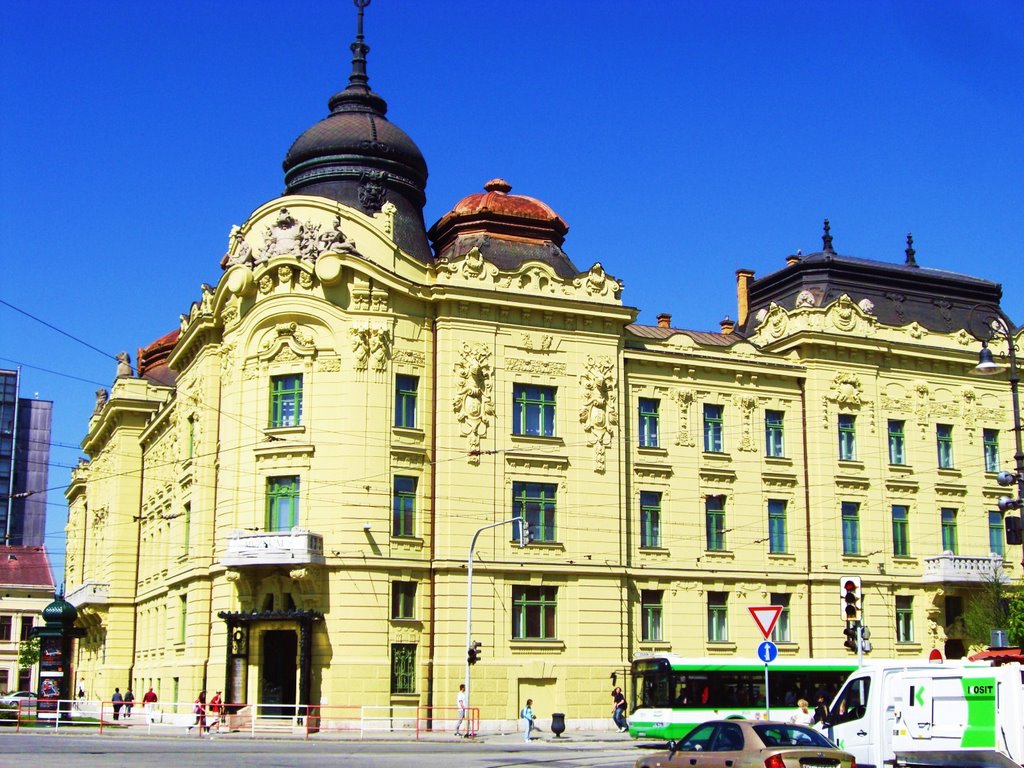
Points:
(182, 617)
(847, 437)
(650, 615)
(996, 533)
(282, 503)
(774, 444)
(534, 612)
(950, 542)
(777, 539)
(286, 400)
(850, 512)
(897, 442)
(650, 519)
(900, 530)
(186, 527)
(944, 445)
(403, 506)
(714, 428)
(406, 392)
(191, 436)
(714, 522)
(718, 617)
(535, 503)
(403, 668)
(403, 600)
(533, 410)
(904, 619)
(648, 416)
(990, 443)
(782, 633)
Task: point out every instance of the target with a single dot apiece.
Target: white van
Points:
(950, 714)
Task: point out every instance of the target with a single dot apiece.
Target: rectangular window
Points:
(990, 440)
(6, 622)
(777, 543)
(403, 668)
(182, 617)
(944, 443)
(900, 531)
(996, 534)
(650, 519)
(897, 442)
(406, 388)
(904, 619)
(26, 628)
(773, 444)
(533, 410)
(403, 506)
(535, 503)
(713, 428)
(282, 503)
(186, 527)
(5, 680)
(718, 617)
(949, 537)
(403, 600)
(650, 610)
(781, 633)
(851, 528)
(847, 437)
(714, 522)
(648, 423)
(286, 400)
(191, 436)
(533, 613)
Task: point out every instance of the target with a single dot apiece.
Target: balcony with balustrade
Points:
(91, 594)
(948, 568)
(294, 547)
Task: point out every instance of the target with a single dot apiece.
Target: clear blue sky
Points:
(679, 140)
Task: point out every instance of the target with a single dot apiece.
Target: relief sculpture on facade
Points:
(371, 347)
(599, 414)
(684, 399)
(746, 404)
(473, 404)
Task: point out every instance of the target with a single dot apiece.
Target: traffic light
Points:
(526, 535)
(865, 633)
(473, 652)
(849, 589)
(851, 632)
(1013, 530)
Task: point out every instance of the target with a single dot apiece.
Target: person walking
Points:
(118, 701)
(129, 702)
(460, 704)
(149, 700)
(619, 710)
(216, 707)
(199, 709)
(527, 714)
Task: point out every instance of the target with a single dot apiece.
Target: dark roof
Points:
(25, 567)
(705, 338)
(152, 359)
(357, 157)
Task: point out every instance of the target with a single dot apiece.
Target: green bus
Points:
(671, 694)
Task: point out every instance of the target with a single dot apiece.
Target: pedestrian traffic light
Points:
(1013, 530)
(851, 632)
(865, 633)
(473, 652)
(850, 603)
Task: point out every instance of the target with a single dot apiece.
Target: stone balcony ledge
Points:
(963, 569)
(90, 593)
(295, 547)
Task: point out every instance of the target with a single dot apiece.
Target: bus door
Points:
(850, 719)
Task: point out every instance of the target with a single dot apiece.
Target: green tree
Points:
(28, 653)
(994, 604)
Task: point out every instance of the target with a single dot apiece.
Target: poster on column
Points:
(51, 674)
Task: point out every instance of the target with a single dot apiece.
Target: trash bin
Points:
(558, 723)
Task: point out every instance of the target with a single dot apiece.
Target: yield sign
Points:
(765, 617)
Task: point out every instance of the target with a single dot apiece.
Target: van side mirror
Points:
(673, 747)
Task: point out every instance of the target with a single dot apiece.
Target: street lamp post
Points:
(998, 325)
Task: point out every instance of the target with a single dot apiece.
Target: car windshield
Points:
(781, 735)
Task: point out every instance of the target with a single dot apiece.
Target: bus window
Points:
(851, 704)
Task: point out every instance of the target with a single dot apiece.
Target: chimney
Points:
(664, 320)
(728, 326)
(743, 278)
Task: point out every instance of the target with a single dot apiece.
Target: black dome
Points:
(358, 157)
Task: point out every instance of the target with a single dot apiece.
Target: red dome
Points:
(152, 360)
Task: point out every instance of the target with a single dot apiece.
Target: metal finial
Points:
(911, 261)
(826, 238)
(359, 50)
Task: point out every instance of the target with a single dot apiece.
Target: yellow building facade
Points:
(279, 502)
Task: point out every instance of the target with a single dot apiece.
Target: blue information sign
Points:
(767, 651)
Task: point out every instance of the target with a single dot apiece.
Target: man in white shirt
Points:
(460, 704)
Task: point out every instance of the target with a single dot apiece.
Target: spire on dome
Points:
(358, 94)
(911, 261)
(826, 238)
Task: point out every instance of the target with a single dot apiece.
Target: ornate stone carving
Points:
(867, 306)
(334, 240)
(372, 189)
(407, 357)
(846, 390)
(598, 283)
(844, 314)
(371, 346)
(804, 299)
(917, 331)
(777, 321)
(684, 399)
(387, 218)
(746, 404)
(599, 413)
(239, 251)
(540, 367)
(265, 284)
(473, 404)
(283, 237)
(124, 365)
(102, 395)
(328, 364)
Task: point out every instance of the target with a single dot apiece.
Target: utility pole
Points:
(524, 539)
